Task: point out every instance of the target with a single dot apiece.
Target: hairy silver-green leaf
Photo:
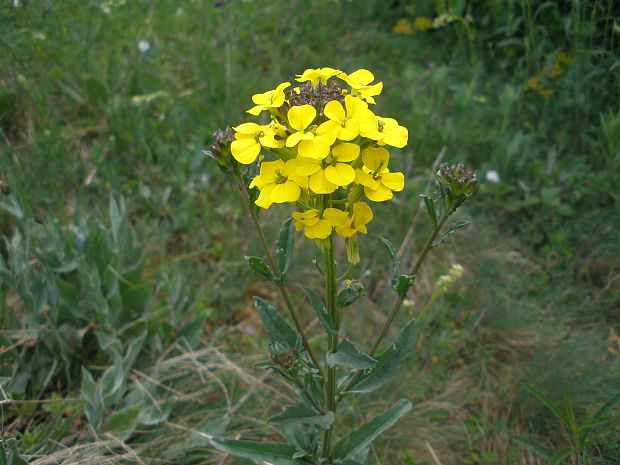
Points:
(272, 452)
(454, 226)
(302, 414)
(319, 309)
(279, 330)
(285, 246)
(347, 354)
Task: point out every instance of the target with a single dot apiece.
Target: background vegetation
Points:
(127, 332)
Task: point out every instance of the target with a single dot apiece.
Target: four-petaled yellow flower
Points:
(316, 75)
(249, 139)
(270, 99)
(325, 176)
(357, 111)
(361, 215)
(377, 180)
(278, 183)
(360, 84)
(319, 225)
(386, 131)
(314, 141)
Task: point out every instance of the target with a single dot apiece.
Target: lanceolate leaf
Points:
(285, 246)
(272, 452)
(347, 354)
(389, 362)
(395, 261)
(319, 308)
(430, 208)
(362, 437)
(540, 450)
(559, 456)
(260, 267)
(302, 414)
(454, 226)
(278, 329)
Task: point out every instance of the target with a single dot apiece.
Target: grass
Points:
(85, 116)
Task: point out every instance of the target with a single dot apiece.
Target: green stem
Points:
(398, 303)
(331, 287)
(272, 263)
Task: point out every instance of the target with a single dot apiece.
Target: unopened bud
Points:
(461, 180)
(219, 149)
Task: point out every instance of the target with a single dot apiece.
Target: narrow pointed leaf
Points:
(540, 450)
(430, 209)
(302, 414)
(454, 226)
(607, 406)
(395, 261)
(347, 354)
(259, 266)
(389, 362)
(547, 402)
(285, 246)
(319, 309)
(272, 452)
(559, 456)
(278, 329)
(362, 437)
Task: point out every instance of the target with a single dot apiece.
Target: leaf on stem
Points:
(347, 354)
(302, 414)
(285, 246)
(259, 266)
(319, 308)
(278, 329)
(389, 361)
(352, 291)
(272, 452)
(362, 437)
(452, 228)
(430, 209)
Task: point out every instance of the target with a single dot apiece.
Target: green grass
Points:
(85, 116)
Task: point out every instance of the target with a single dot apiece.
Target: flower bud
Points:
(353, 249)
(460, 180)
(219, 149)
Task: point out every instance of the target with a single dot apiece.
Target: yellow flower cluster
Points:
(329, 150)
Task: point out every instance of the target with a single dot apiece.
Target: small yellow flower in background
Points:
(278, 183)
(360, 84)
(319, 225)
(316, 75)
(402, 26)
(249, 139)
(361, 215)
(422, 23)
(377, 180)
(270, 99)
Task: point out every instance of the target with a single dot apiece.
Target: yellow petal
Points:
(264, 198)
(346, 152)
(375, 158)
(361, 77)
(350, 130)
(245, 151)
(356, 107)
(341, 174)
(346, 230)
(381, 194)
(320, 230)
(300, 117)
(334, 111)
(293, 139)
(362, 213)
(395, 136)
(328, 131)
(285, 192)
(308, 166)
(335, 217)
(393, 181)
(365, 179)
(247, 128)
(320, 185)
(316, 148)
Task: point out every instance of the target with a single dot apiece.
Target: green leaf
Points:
(272, 452)
(430, 209)
(559, 456)
(302, 414)
(362, 437)
(13, 457)
(607, 406)
(260, 267)
(547, 402)
(452, 228)
(403, 284)
(352, 291)
(389, 361)
(347, 354)
(540, 450)
(278, 329)
(12, 207)
(122, 423)
(285, 246)
(319, 309)
(395, 261)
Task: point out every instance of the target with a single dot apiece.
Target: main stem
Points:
(272, 263)
(332, 341)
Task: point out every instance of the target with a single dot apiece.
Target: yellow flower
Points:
(360, 84)
(314, 142)
(278, 183)
(325, 176)
(357, 111)
(319, 225)
(361, 215)
(402, 26)
(270, 99)
(377, 180)
(248, 140)
(316, 75)
(386, 131)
